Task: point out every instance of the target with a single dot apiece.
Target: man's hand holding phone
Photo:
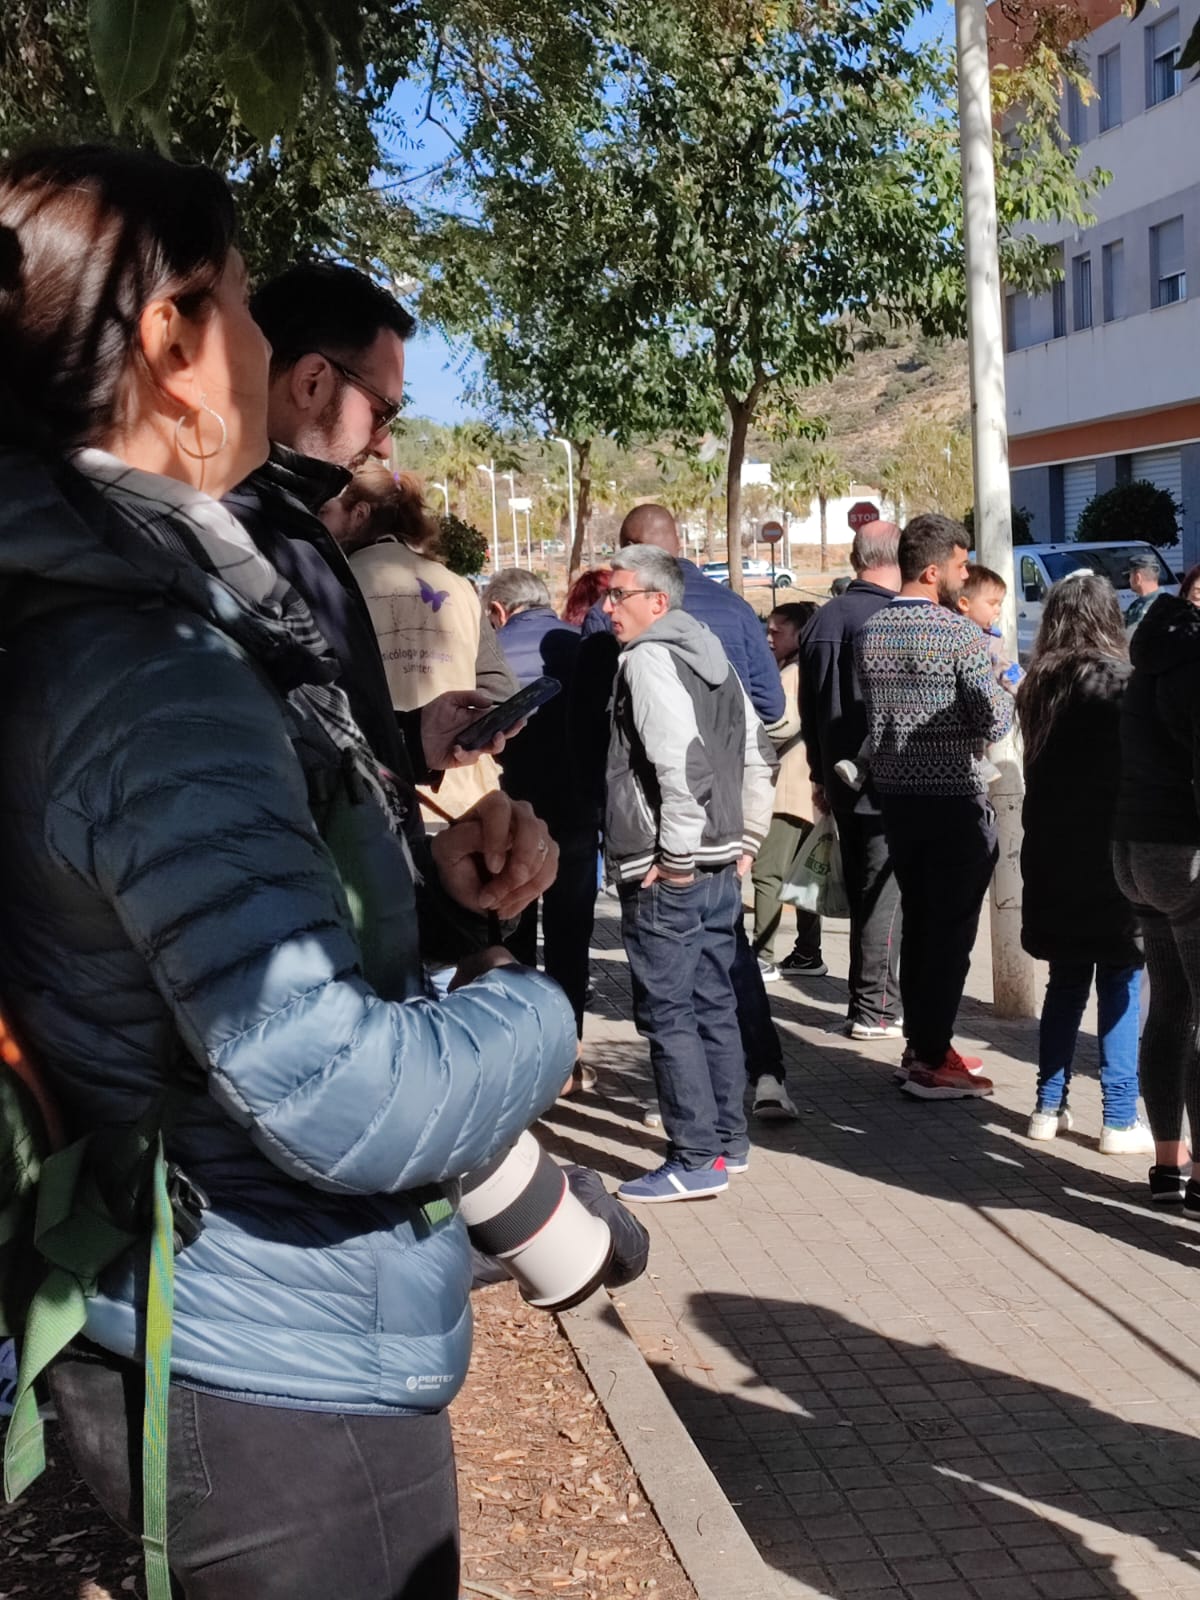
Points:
(442, 722)
(456, 728)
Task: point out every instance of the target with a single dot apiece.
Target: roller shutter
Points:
(1162, 468)
(1079, 486)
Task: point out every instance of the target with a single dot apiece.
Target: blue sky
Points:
(432, 380)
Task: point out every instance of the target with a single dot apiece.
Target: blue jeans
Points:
(1117, 992)
(760, 1037)
(680, 943)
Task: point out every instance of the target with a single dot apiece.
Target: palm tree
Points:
(692, 484)
(809, 472)
(456, 459)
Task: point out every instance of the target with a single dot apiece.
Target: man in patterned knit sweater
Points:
(934, 704)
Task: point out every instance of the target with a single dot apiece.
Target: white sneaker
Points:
(872, 1030)
(1046, 1124)
(1135, 1140)
(772, 1103)
(768, 969)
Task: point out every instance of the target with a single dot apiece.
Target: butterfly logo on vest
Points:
(431, 596)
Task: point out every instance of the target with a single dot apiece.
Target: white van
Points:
(1037, 566)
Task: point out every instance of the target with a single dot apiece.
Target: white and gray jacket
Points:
(690, 768)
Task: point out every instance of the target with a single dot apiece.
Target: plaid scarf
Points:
(190, 524)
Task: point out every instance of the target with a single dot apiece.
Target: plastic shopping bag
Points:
(815, 881)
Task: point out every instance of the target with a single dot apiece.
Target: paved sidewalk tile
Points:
(925, 1358)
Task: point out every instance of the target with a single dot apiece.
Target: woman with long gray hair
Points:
(1073, 914)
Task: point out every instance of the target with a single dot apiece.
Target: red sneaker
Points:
(951, 1079)
(971, 1064)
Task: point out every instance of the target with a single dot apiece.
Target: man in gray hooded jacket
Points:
(690, 774)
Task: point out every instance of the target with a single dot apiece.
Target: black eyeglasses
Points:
(384, 411)
(619, 596)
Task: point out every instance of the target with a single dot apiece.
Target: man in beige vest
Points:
(432, 633)
(791, 820)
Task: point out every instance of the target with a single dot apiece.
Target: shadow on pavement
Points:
(896, 1465)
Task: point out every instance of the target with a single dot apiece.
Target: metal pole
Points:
(445, 488)
(772, 576)
(490, 469)
(528, 543)
(512, 495)
(566, 444)
(1012, 970)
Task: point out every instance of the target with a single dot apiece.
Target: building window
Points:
(1162, 53)
(1081, 291)
(1108, 83)
(1074, 118)
(1058, 302)
(1167, 271)
(1112, 272)
(1020, 321)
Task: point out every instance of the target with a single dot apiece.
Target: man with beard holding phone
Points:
(934, 703)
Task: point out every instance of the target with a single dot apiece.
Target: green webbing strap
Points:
(78, 1230)
(78, 1242)
(56, 1315)
(160, 1299)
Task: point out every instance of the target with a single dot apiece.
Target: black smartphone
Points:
(480, 733)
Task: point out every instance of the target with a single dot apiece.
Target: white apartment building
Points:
(1104, 372)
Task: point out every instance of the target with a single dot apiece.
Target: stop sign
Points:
(771, 532)
(860, 513)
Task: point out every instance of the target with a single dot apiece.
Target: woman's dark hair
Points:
(1081, 629)
(89, 236)
(588, 588)
(1190, 577)
(397, 509)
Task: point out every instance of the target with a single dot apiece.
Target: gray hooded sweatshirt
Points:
(690, 768)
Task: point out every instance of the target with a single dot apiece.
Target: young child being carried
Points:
(981, 600)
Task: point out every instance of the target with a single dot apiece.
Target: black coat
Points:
(833, 713)
(1072, 909)
(1160, 729)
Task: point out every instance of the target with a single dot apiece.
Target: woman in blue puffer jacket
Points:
(172, 919)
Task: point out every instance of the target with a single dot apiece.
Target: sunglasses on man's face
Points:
(383, 411)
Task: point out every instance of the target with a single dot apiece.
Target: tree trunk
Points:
(739, 418)
(824, 503)
(583, 506)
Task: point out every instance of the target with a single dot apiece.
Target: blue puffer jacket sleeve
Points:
(181, 798)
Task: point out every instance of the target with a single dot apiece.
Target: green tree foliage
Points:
(930, 470)
(688, 218)
(812, 472)
(1022, 524)
(527, 244)
(462, 547)
(313, 190)
(1130, 511)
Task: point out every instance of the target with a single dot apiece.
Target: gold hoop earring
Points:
(201, 455)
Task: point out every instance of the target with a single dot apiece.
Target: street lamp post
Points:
(528, 542)
(566, 444)
(512, 496)
(1012, 970)
(490, 469)
(445, 488)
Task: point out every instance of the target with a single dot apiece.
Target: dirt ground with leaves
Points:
(549, 1503)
